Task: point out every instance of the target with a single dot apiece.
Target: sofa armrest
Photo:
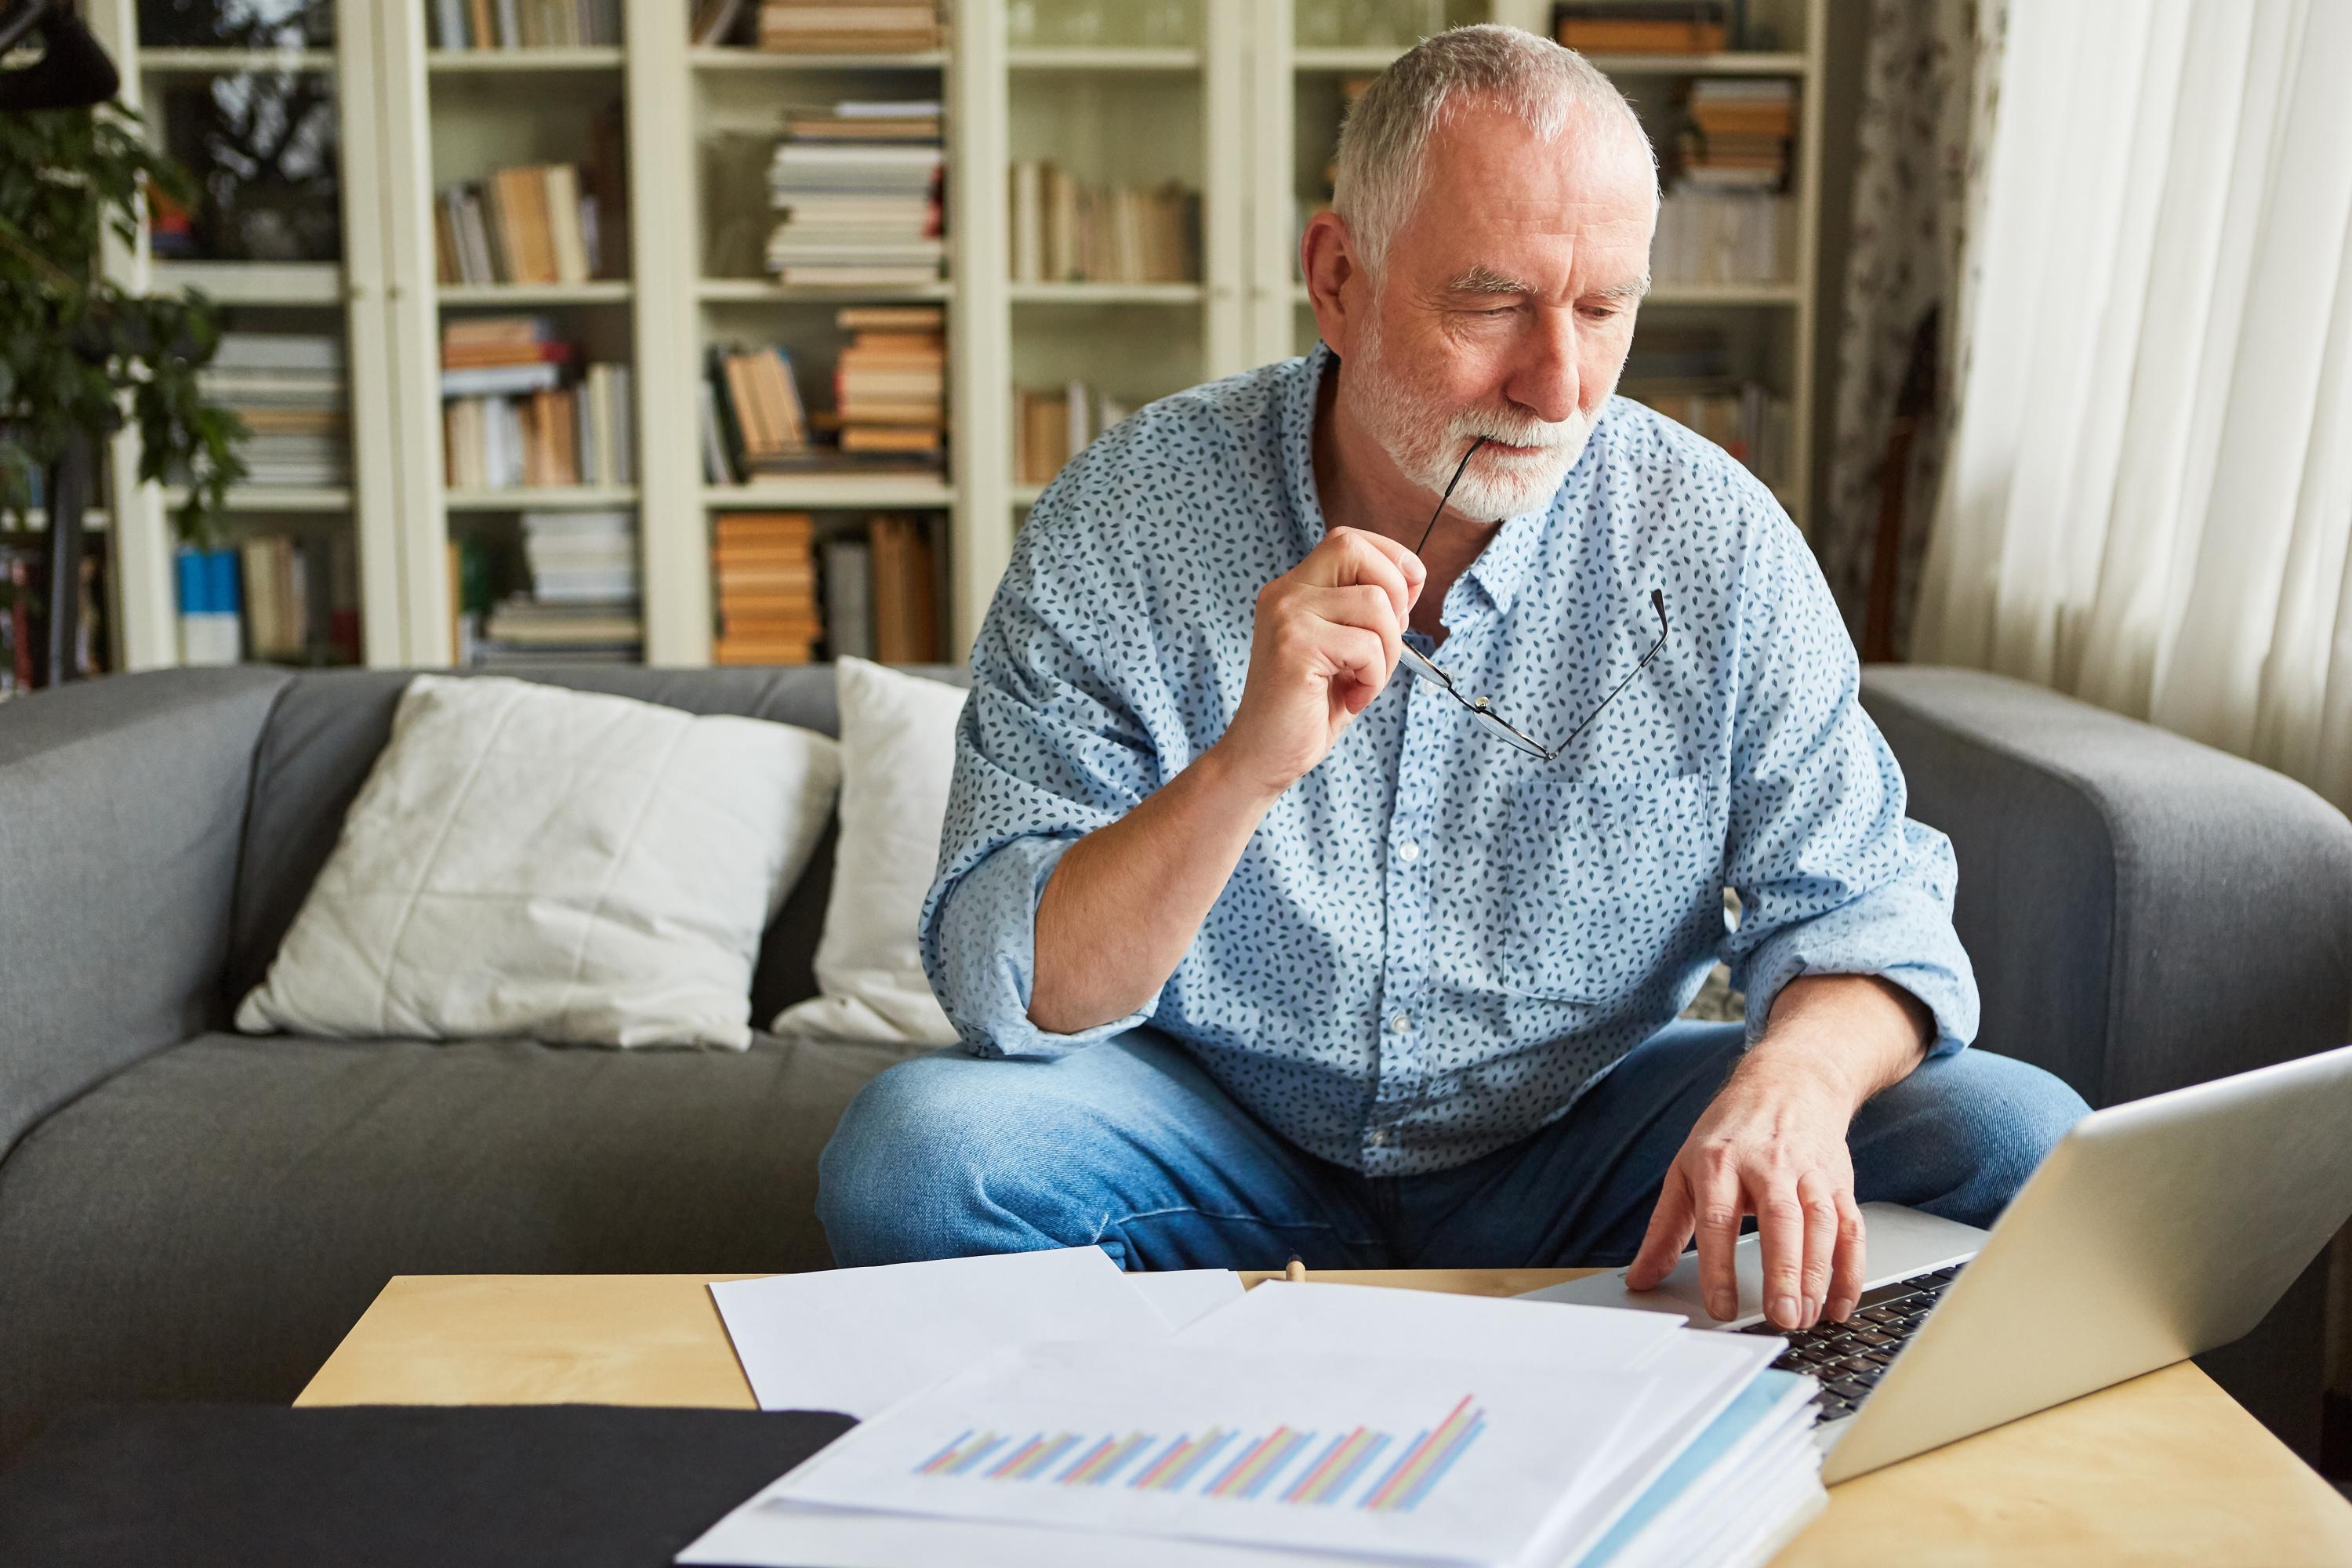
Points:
(122, 807)
(2143, 911)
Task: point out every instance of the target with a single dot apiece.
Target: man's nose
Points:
(1545, 381)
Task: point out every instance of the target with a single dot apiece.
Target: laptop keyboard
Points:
(1849, 1358)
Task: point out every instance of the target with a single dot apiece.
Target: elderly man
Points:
(1325, 874)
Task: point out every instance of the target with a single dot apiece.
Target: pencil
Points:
(1294, 1271)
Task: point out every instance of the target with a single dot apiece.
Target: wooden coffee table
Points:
(2163, 1469)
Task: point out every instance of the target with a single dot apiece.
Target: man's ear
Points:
(1335, 280)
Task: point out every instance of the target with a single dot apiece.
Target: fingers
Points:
(1352, 555)
(1717, 1204)
(1816, 1196)
(1669, 1232)
(1848, 1267)
(1364, 606)
(1780, 1226)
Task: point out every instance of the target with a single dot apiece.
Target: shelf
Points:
(1377, 57)
(1722, 294)
(274, 498)
(228, 62)
(736, 58)
(464, 62)
(559, 497)
(254, 282)
(840, 492)
(1730, 62)
(601, 292)
(1103, 60)
(760, 292)
(1105, 293)
(36, 522)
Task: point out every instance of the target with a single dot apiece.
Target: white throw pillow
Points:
(566, 866)
(897, 755)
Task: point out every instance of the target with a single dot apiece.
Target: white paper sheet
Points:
(859, 1340)
(1461, 1461)
(1183, 1296)
(1697, 1373)
(1350, 1320)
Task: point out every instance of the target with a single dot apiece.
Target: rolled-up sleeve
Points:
(1046, 752)
(1832, 878)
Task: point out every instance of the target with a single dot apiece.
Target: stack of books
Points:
(1053, 426)
(1749, 420)
(524, 24)
(1068, 232)
(1633, 27)
(287, 388)
(1740, 130)
(1726, 218)
(891, 385)
(583, 604)
(511, 416)
(1686, 375)
(849, 26)
(765, 571)
(753, 424)
(542, 223)
(857, 187)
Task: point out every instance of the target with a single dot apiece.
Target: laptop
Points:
(2154, 1230)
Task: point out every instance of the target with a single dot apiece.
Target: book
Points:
(906, 593)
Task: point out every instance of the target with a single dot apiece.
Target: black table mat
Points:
(582, 1485)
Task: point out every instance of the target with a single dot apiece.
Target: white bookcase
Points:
(1239, 110)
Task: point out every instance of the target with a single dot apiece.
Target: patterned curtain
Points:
(1929, 90)
(2147, 498)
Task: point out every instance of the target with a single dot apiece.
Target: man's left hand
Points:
(1773, 1144)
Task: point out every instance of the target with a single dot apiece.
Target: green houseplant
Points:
(79, 353)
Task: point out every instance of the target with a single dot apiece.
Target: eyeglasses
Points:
(1482, 710)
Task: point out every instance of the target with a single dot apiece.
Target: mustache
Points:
(1516, 432)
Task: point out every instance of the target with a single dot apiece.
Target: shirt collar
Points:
(1502, 568)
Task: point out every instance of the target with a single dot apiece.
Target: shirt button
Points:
(1401, 1023)
(1378, 1137)
(1409, 851)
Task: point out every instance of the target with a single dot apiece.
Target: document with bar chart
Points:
(1434, 1459)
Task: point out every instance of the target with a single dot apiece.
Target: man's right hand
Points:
(1328, 635)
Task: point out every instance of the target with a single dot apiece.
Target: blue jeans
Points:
(1128, 1144)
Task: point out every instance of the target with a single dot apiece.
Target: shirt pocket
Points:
(1601, 875)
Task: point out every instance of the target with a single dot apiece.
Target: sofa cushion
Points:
(577, 865)
(327, 726)
(211, 1222)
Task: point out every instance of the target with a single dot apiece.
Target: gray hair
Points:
(1385, 141)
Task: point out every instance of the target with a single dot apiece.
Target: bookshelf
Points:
(1117, 94)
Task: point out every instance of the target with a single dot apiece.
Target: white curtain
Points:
(2149, 495)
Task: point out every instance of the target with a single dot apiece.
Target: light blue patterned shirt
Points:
(1433, 942)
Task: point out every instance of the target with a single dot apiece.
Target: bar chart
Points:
(1286, 1465)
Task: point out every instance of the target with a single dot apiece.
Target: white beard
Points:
(1426, 440)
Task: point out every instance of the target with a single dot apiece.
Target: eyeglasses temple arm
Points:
(1658, 603)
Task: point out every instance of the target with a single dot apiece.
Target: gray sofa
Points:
(186, 1213)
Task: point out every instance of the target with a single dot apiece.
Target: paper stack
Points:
(1038, 1409)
